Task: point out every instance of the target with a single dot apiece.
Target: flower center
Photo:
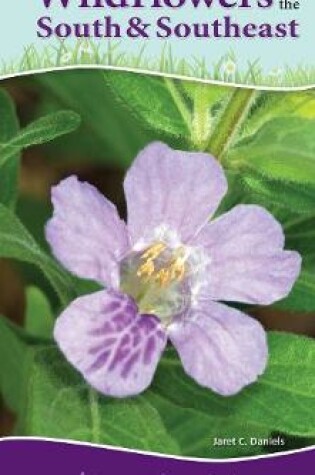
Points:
(158, 278)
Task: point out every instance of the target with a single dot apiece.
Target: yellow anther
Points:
(174, 269)
(177, 265)
(178, 269)
(154, 251)
(163, 277)
(147, 269)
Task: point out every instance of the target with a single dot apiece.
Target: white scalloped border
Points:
(156, 454)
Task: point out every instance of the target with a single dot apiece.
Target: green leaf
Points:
(282, 400)
(176, 415)
(283, 150)
(292, 196)
(41, 131)
(109, 134)
(15, 357)
(210, 93)
(164, 110)
(61, 405)
(270, 105)
(196, 431)
(300, 235)
(17, 243)
(9, 127)
(39, 320)
(205, 100)
(302, 297)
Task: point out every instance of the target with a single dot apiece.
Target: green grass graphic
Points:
(227, 69)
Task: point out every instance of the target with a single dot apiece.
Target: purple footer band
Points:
(38, 457)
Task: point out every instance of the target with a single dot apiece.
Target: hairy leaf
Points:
(9, 127)
(39, 320)
(283, 150)
(17, 243)
(196, 431)
(175, 408)
(156, 101)
(15, 361)
(299, 198)
(302, 297)
(272, 104)
(109, 134)
(41, 131)
(210, 93)
(300, 234)
(62, 405)
(282, 400)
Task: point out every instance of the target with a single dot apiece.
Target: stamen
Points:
(163, 277)
(178, 269)
(154, 251)
(158, 279)
(147, 269)
(173, 270)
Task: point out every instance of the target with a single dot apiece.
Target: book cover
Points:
(157, 237)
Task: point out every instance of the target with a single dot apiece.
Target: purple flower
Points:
(166, 272)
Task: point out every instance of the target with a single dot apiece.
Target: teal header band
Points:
(254, 42)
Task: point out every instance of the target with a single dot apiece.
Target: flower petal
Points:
(116, 349)
(247, 260)
(178, 190)
(220, 347)
(85, 233)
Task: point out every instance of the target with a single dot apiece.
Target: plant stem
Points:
(201, 122)
(179, 102)
(95, 416)
(230, 121)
